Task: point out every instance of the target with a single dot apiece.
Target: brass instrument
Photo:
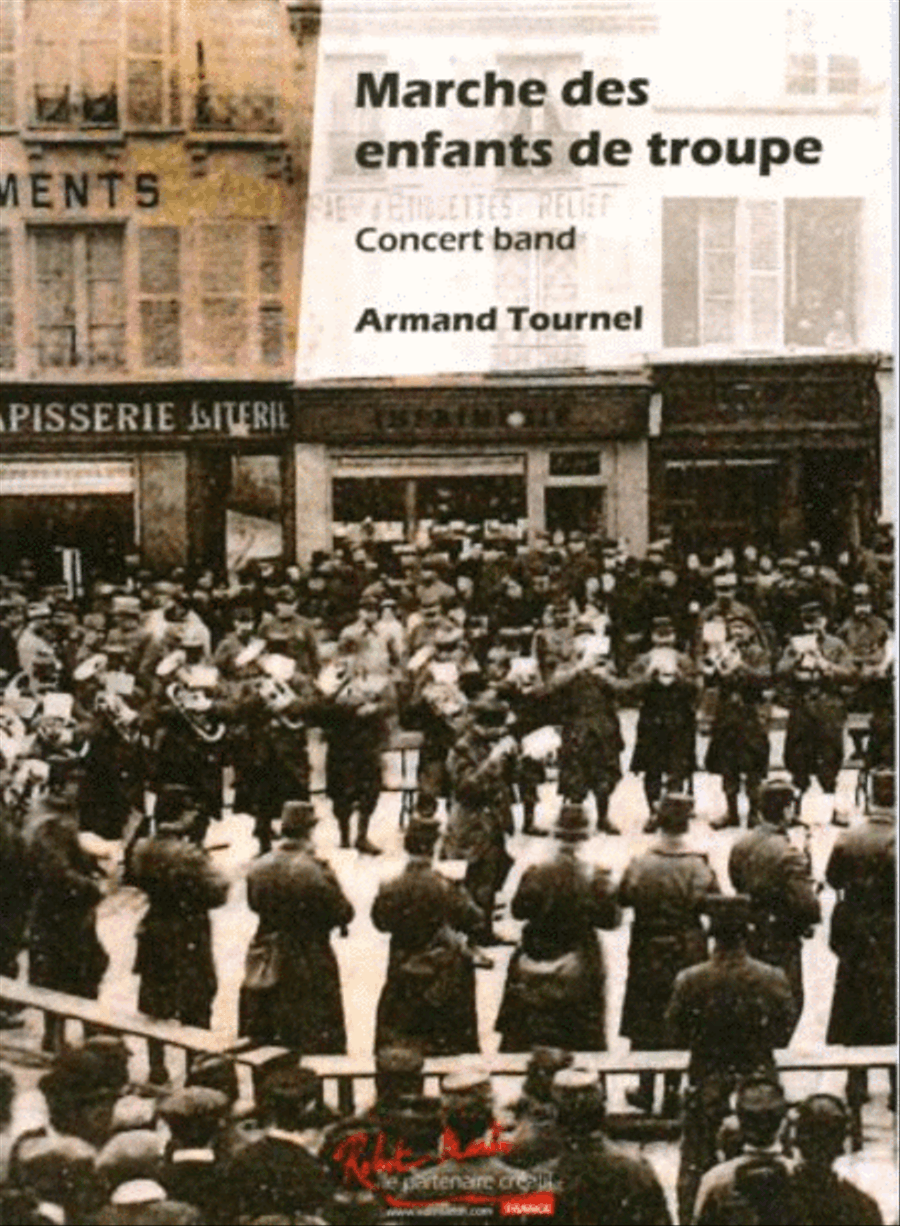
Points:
(195, 706)
(722, 659)
(120, 715)
(274, 689)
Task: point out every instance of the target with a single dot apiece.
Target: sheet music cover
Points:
(302, 294)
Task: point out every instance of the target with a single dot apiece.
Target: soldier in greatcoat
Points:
(815, 666)
(730, 1012)
(481, 765)
(428, 1000)
(174, 943)
(668, 887)
(291, 994)
(765, 865)
(64, 950)
(862, 869)
(583, 699)
(665, 745)
(555, 991)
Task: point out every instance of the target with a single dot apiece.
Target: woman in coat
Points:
(555, 991)
(291, 993)
(428, 1000)
(667, 886)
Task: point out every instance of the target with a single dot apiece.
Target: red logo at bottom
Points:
(538, 1204)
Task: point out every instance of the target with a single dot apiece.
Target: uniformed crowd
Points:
(134, 711)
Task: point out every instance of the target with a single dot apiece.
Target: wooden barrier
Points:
(346, 1071)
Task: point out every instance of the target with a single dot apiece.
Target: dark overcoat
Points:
(765, 865)
(666, 729)
(64, 950)
(428, 1000)
(292, 991)
(667, 888)
(864, 934)
(562, 903)
(174, 941)
(591, 737)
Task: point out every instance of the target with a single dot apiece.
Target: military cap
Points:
(862, 591)
(112, 1053)
(776, 796)
(38, 608)
(133, 1112)
(572, 1080)
(421, 834)
(725, 579)
(571, 822)
(127, 605)
(580, 1098)
(138, 1192)
(54, 1167)
(470, 1080)
(674, 811)
(822, 1115)
(216, 1072)
(80, 1072)
(488, 712)
(810, 610)
(406, 1060)
(761, 1095)
(194, 1114)
(137, 1154)
(297, 817)
(728, 910)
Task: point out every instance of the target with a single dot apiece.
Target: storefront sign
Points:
(237, 412)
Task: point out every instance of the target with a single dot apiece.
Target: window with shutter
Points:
(75, 62)
(238, 52)
(145, 43)
(160, 296)
(271, 310)
(241, 285)
(79, 296)
(7, 309)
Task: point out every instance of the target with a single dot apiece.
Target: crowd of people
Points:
(128, 707)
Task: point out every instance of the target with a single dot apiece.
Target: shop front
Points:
(515, 456)
(183, 474)
(767, 453)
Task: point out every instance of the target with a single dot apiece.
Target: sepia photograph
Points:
(447, 612)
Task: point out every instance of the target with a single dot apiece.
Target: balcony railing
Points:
(246, 111)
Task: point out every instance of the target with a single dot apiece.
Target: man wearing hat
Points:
(582, 701)
(738, 750)
(766, 866)
(665, 745)
(862, 869)
(291, 994)
(467, 1117)
(821, 1197)
(174, 957)
(713, 620)
(277, 1173)
(64, 950)
(667, 886)
(755, 1185)
(731, 1012)
(815, 666)
(428, 1000)
(480, 766)
(555, 990)
(435, 708)
(594, 1180)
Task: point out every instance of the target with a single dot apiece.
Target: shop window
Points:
(758, 273)
(242, 313)
(160, 296)
(7, 317)
(79, 296)
(238, 66)
(102, 63)
(574, 463)
(545, 122)
(8, 22)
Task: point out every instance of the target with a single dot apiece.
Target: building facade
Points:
(151, 213)
(158, 207)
